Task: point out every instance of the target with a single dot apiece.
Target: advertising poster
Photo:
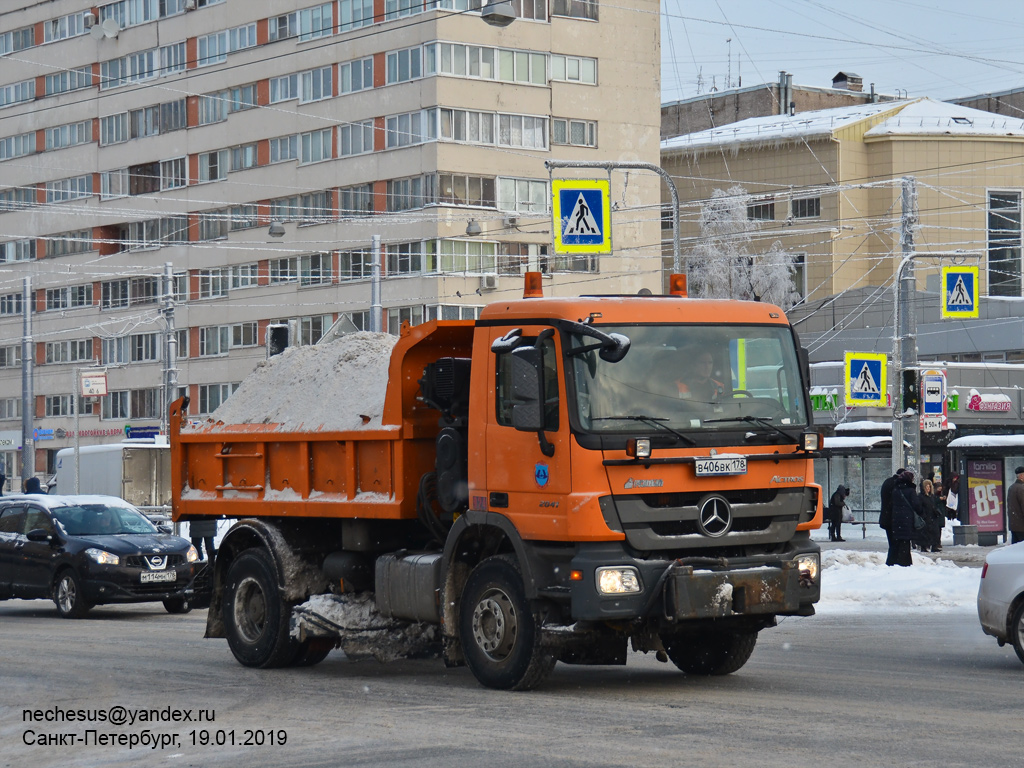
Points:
(985, 488)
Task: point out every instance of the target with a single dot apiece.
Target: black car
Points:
(82, 551)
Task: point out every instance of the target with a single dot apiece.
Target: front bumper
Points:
(117, 584)
(696, 588)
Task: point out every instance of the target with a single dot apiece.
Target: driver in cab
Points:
(697, 383)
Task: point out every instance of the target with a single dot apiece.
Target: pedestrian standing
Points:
(203, 531)
(953, 499)
(934, 517)
(1015, 507)
(885, 516)
(906, 507)
(835, 513)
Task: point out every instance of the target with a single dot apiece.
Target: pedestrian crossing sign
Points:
(582, 215)
(866, 379)
(960, 291)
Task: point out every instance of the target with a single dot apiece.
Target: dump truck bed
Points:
(262, 470)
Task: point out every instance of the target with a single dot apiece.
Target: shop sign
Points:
(988, 403)
(985, 502)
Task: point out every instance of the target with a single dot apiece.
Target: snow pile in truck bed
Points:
(328, 387)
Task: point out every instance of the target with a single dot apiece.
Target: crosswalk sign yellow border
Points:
(971, 274)
(857, 358)
(603, 186)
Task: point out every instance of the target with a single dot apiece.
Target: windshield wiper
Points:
(764, 421)
(654, 421)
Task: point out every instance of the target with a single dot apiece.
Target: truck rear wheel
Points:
(256, 619)
(499, 630)
(711, 653)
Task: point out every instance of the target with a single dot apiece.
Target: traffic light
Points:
(911, 391)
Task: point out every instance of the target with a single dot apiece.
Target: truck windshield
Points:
(692, 378)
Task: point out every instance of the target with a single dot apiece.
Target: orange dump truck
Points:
(556, 481)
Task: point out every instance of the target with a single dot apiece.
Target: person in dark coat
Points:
(203, 531)
(32, 485)
(905, 505)
(885, 516)
(934, 517)
(1015, 507)
(3, 482)
(835, 513)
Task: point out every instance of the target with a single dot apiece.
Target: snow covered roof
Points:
(857, 442)
(988, 441)
(921, 117)
(926, 117)
(821, 122)
(865, 426)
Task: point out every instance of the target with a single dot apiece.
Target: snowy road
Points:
(893, 671)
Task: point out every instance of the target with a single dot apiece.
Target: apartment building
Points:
(258, 147)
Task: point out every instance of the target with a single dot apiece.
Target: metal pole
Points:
(376, 321)
(28, 450)
(75, 389)
(905, 426)
(677, 265)
(170, 382)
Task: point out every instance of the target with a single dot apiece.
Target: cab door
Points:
(523, 483)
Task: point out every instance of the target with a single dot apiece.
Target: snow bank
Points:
(337, 386)
(861, 582)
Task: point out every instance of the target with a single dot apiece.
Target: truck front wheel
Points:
(711, 653)
(256, 619)
(499, 630)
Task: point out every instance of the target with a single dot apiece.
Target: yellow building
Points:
(827, 186)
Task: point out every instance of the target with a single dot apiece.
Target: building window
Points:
(212, 396)
(406, 194)
(284, 208)
(283, 270)
(173, 173)
(15, 93)
(526, 195)
(243, 157)
(17, 198)
(357, 200)
(806, 208)
(244, 276)
(520, 258)
(64, 27)
(405, 258)
(69, 189)
(356, 75)
(114, 294)
(213, 166)
(508, 65)
(213, 49)
(404, 65)
(800, 274)
(761, 210)
(17, 250)
(213, 225)
(315, 208)
(355, 13)
(534, 10)
(316, 84)
(317, 145)
(68, 80)
(213, 107)
(284, 88)
(57, 405)
(315, 22)
(69, 135)
(466, 256)
(69, 242)
(312, 329)
(1004, 243)
(243, 217)
(145, 347)
(10, 356)
(399, 315)
(457, 189)
(17, 146)
(114, 184)
(354, 265)
(404, 130)
(114, 129)
(577, 9)
(214, 340)
(131, 404)
(284, 148)
(357, 138)
(70, 297)
(68, 351)
(315, 269)
(577, 133)
(573, 69)
(10, 304)
(10, 408)
(244, 335)
(394, 9)
(213, 283)
(17, 40)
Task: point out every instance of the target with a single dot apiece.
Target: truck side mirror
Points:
(527, 381)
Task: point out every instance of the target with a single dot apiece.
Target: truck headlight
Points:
(102, 557)
(617, 580)
(809, 565)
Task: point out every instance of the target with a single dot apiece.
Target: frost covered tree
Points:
(722, 264)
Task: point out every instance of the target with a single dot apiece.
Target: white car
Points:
(1001, 597)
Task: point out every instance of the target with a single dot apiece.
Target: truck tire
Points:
(68, 595)
(256, 619)
(711, 653)
(499, 630)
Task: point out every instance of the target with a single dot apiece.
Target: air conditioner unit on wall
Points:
(89, 20)
(488, 282)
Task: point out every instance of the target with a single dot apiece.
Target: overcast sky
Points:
(939, 48)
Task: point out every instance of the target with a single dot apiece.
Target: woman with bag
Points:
(835, 513)
(953, 499)
(906, 520)
(934, 517)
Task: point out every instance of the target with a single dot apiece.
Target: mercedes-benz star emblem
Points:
(715, 516)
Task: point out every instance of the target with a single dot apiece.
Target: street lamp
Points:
(276, 229)
(499, 14)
